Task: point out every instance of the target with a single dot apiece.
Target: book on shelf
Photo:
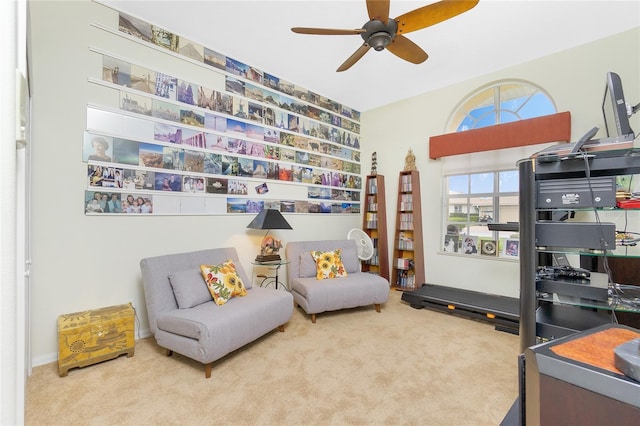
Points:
(406, 202)
(371, 220)
(405, 241)
(406, 217)
(405, 183)
(404, 263)
(406, 226)
(406, 206)
(406, 279)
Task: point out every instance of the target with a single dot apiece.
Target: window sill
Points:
(511, 259)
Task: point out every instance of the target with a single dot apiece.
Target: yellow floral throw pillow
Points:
(223, 281)
(328, 264)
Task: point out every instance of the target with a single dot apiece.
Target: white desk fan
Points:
(363, 243)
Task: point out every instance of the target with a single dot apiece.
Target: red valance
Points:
(545, 129)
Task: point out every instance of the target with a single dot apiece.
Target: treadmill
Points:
(502, 311)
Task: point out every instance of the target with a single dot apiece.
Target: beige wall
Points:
(83, 262)
(575, 79)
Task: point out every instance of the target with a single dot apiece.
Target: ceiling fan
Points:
(381, 32)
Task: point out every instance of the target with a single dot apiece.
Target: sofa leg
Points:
(313, 318)
(169, 352)
(207, 370)
(377, 305)
(281, 328)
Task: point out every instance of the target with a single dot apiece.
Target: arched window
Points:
(478, 192)
(498, 103)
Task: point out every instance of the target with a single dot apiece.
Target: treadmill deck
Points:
(503, 311)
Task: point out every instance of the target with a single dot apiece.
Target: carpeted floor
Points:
(358, 367)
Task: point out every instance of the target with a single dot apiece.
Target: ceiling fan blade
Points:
(378, 9)
(432, 14)
(404, 48)
(354, 58)
(326, 31)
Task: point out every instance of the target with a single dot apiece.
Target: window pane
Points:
(488, 119)
(538, 106)
(481, 230)
(509, 181)
(508, 117)
(458, 209)
(458, 184)
(512, 104)
(466, 124)
(481, 209)
(508, 209)
(481, 183)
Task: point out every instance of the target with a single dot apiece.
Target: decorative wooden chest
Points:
(89, 337)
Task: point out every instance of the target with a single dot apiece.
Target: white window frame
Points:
(486, 162)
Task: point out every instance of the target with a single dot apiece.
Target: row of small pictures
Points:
(243, 205)
(467, 244)
(315, 123)
(232, 128)
(126, 151)
(102, 176)
(115, 202)
(181, 45)
(97, 202)
(233, 140)
(122, 151)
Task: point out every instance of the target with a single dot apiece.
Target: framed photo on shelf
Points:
(451, 243)
(488, 247)
(511, 248)
(469, 244)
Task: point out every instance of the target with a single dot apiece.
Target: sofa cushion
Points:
(223, 281)
(358, 289)
(207, 332)
(308, 266)
(329, 264)
(189, 288)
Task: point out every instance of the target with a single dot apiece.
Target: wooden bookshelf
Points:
(408, 252)
(374, 223)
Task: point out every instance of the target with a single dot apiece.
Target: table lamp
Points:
(269, 219)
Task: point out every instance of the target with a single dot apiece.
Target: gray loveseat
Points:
(316, 296)
(184, 318)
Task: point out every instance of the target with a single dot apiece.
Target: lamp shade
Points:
(269, 219)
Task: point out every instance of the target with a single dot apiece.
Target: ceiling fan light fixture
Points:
(379, 40)
(381, 32)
